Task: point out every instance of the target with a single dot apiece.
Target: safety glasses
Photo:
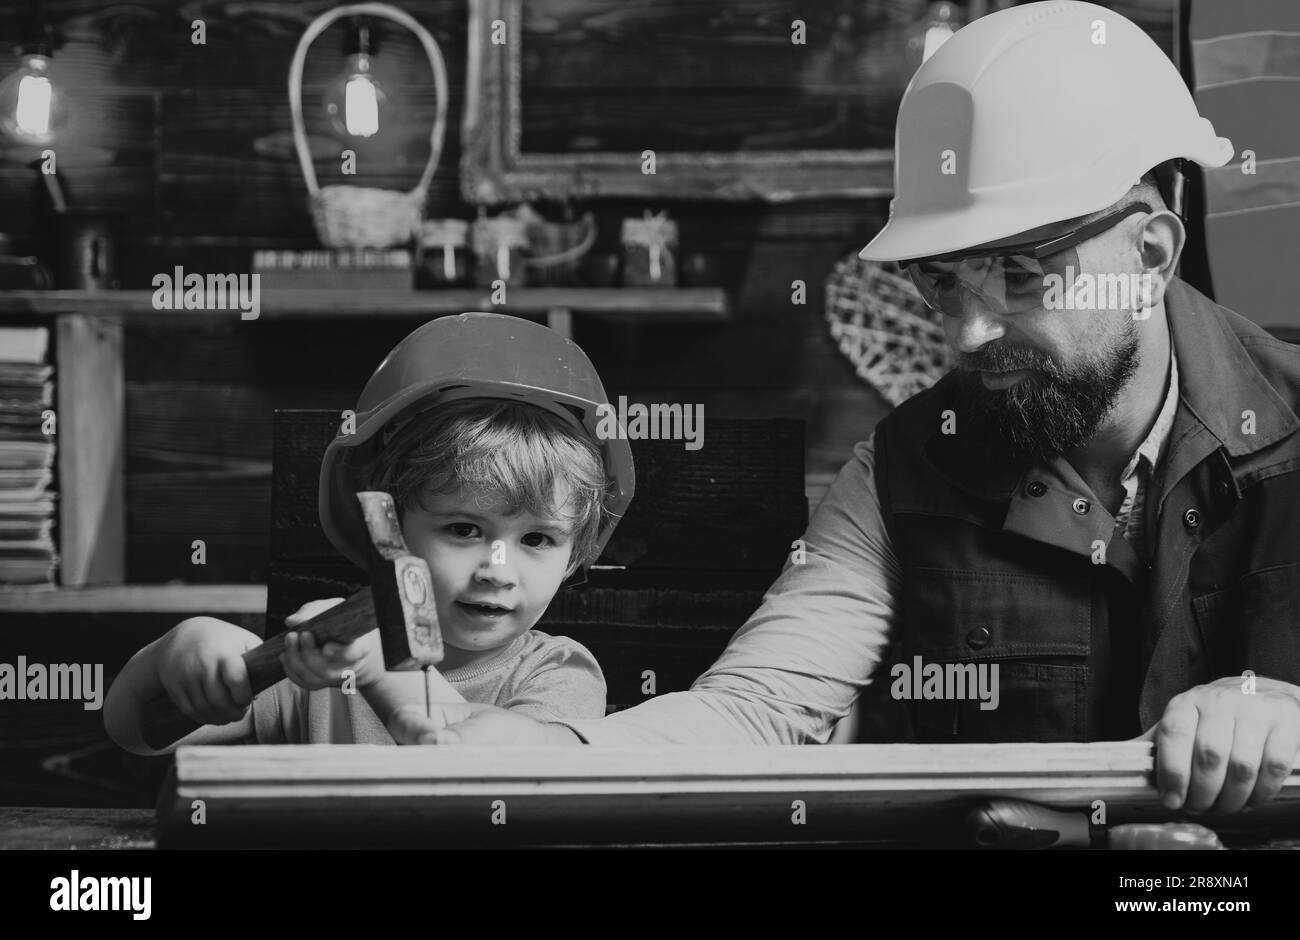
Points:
(1011, 279)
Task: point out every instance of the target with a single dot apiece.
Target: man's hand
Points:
(318, 667)
(1221, 747)
(473, 723)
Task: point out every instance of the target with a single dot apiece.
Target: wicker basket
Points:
(359, 216)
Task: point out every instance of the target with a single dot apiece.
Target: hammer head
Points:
(402, 589)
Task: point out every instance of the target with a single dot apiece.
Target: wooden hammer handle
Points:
(162, 722)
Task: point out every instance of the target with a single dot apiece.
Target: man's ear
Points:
(1162, 239)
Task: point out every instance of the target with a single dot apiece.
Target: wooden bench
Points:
(706, 535)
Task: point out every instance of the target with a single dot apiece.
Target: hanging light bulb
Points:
(31, 104)
(355, 99)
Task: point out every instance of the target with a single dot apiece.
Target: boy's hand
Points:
(472, 723)
(318, 667)
(1220, 747)
(201, 668)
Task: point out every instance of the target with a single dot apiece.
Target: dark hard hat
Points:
(473, 355)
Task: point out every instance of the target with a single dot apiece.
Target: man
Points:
(1100, 506)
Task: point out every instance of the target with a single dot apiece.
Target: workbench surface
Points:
(40, 827)
(44, 827)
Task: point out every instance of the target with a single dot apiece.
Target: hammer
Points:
(399, 599)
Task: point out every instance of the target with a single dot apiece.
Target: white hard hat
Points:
(1032, 115)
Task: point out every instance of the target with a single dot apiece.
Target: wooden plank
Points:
(673, 305)
(142, 598)
(354, 794)
(91, 392)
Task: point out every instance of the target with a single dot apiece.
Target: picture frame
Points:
(501, 162)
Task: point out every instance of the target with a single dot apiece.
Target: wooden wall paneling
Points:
(173, 424)
(188, 505)
(228, 167)
(837, 412)
(238, 558)
(198, 468)
(301, 359)
(105, 157)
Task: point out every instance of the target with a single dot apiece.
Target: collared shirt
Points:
(797, 665)
(1137, 475)
(1057, 473)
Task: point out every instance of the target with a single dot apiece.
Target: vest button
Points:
(978, 638)
(1221, 489)
(1191, 518)
(1081, 506)
(1036, 488)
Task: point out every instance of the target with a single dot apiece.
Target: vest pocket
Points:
(1024, 639)
(1035, 702)
(1251, 625)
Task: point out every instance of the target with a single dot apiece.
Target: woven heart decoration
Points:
(879, 321)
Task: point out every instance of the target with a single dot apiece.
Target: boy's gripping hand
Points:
(201, 668)
(318, 667)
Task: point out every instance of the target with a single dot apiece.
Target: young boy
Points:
(483, 429)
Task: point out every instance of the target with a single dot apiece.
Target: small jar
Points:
(650, 251)
(499, 245)
(444, 256)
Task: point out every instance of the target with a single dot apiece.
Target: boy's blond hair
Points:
(498, 450)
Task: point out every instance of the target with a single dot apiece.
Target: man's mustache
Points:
(1007, 362)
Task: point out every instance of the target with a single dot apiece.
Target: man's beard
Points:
(1053, 410)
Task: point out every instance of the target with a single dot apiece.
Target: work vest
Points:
(999, 569)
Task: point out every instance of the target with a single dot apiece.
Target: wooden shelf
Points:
(623, 304)
(138, 598)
